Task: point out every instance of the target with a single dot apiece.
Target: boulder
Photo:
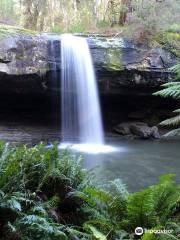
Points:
(123, 129)
(139, 129)
(144, 131)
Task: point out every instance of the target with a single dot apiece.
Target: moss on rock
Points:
(7, 30)
(114, 62)
(170, 39)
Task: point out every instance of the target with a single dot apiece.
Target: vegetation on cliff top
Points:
(6, 30)
(45, 194)
(142, 18)
(152, 21)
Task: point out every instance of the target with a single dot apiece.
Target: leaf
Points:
(174, 121)
(11, 227)
(14, 205)
(2, 194)
(175, 132)
(167, 179)
(97, 234)
(177, 111)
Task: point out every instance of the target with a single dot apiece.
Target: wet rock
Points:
(139, 129)
(23, 54)
(155, 132)
(123, 129)
(144, 131)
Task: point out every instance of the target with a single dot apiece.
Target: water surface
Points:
(138, 163)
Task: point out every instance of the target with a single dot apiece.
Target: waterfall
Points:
(80, 107)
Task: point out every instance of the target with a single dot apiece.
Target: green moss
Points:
(6, 30)
(169, 40)
(114, 60)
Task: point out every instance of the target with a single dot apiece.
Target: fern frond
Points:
(176, 70)
(173, 133)
(96, 233)
(174, 121)
(98, 194)
(170, 84)
(173, 92)
(140, 209)
(42, 227)
(118, 188)
(177, 111)
(172, 89)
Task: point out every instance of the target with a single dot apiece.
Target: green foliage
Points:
(114, 212)
(96, 233)
(57, 29)
(140, 209)
(176, 70)
(175, 28)
(46, 193)
(77, 28)
(154, 205)
(102, 24)
(34, 184)
(139, 19)
(172, 89)
(41, 227)
(35, 168)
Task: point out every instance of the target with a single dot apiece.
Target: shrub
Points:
(149, 18)
(45, 194)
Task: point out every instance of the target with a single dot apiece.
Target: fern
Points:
(35, 183)
(176, 70)
(104, 207)
(141, 210)
(96, 233)
(42, 228)
(172, 90)
(155, 205)
(45, 194)
(175, 121)
(175, 132)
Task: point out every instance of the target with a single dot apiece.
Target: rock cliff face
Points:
(127, 73)
(118, 62)
(23, 54)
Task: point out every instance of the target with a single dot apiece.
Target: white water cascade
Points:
(80, 109)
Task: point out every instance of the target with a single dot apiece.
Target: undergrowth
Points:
(46, 194)
(172, 90)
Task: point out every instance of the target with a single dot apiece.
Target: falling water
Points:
(81, 117)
